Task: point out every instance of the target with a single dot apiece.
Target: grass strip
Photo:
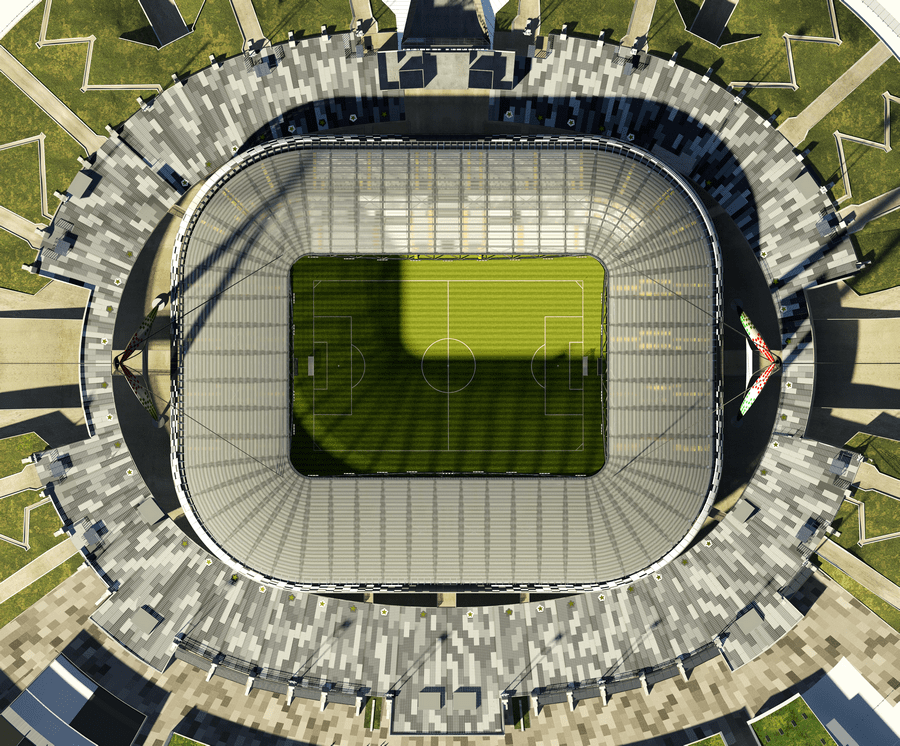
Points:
(116, 60)
(879, 244)
(305, 18)
(12, 607)
(14, 252)
(793, 724)
(44, 522)
(178, 740)
(884, 453)
(868, 599)
(13, 450)
(861, 114)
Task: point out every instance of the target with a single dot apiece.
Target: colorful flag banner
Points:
(756, 388)
(755, 337)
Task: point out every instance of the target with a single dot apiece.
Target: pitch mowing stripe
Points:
(449, 382)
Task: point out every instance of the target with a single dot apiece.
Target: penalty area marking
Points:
(363, 374)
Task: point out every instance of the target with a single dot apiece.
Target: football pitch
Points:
(434, 365)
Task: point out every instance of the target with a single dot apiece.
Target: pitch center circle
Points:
(448, 365)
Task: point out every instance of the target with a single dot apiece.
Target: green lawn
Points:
(304, 17)
(385, 17)
(14, 252)
(377, 703)
(882, 452)
(19, 174)
(458, 366)
(793, 724)
(882, 517)
(115, 60)
(585, 18)
(883, 609)
(764, 57)
(177, 740)
(13, 450)
(521, 715)
(872, 171)
(11, 608)
(189, 10)
(44, 522)
(878, 243)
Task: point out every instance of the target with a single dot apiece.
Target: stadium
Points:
(439, 364)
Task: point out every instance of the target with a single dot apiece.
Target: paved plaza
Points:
(675, 713)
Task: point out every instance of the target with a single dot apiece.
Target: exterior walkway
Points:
(248, 23)
(528, 10)
(218, 711)
(45, 100)
(21, 227)
(27, 479)
(35, 569)
(870, 478)
(796, 128)
(860, 572)
(639, 24)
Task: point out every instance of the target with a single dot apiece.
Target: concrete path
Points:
(361, 10)
(21, 227)
(859, 216)
(796, 128)
(22, 78)
(248, 23)
(529, 10)
(639, 24)
(870, 478)
(61, 299)
(860, 572)
(35, 569)
(27, 479)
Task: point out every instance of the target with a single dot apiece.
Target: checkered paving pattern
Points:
(835, 625)
(709, 133)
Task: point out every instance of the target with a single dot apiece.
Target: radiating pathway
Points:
(35, 569)
(248, 23)
(639, 24)
(860, 572)
(796, 128)
(22, 78)
(862, 214)
(27, 479)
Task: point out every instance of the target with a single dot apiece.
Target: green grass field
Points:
(794, 724)
(448, 366)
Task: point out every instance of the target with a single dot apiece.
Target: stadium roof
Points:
(232, 426)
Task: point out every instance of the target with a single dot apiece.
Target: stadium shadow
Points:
(205, 727)
(660, 127)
